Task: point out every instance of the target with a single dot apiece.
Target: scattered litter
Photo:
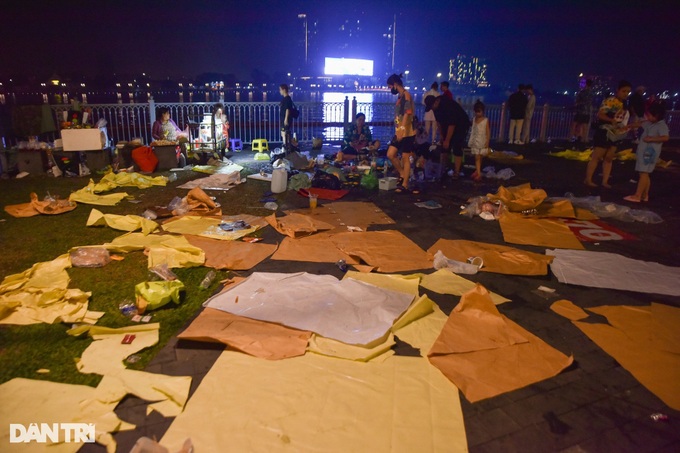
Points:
(22, 174)
(267, 199)
(476, 261)
(149, 214)
(608, 209)
(251, 239)
(45, 371)
(208, 279)
(430, 204)
(353, 228)
(128, 338)
(128, 308)
(484, 208)
(172, 177)
(271, 205)
(504, 174)
(458, 267)
(163, 272)
(659, 417)
(134, 201)
(342, 265)
(90, 257)
(134, 358)
(546, 292)
(234, 226)
(546, 289)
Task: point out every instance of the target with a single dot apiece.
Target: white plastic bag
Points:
(459, 267)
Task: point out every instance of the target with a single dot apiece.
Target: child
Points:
(654, 133)
(479, 138)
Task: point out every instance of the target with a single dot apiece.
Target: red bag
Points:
(145, 158)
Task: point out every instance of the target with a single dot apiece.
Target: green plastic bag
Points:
(369, 181)
(153, 295)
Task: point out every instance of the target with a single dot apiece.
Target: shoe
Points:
(476, 177)
(519, 142)
(632, 199)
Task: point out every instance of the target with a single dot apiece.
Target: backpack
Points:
(294, 112)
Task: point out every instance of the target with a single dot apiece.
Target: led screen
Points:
(348, 66)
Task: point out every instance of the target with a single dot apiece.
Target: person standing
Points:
(430, 121)
(453, 125)
(654, 133)
(584, 111)
(219, 114)
(405, 135)
(286, 108)
(479, 138)
(528, 113)
(517, 105)
(611, 128)
(637, 108)
(445, 90)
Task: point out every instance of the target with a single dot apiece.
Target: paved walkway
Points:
(593, 406)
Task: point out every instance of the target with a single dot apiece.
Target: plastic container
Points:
(279, 180)
(313, 200)
(208, 279)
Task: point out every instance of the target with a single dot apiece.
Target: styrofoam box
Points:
(389, 183)
(83, 139)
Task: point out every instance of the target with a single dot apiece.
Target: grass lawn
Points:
(26, 241)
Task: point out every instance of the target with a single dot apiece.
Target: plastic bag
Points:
(153, 295)
(369, 181)
(163, 272)
(90, 257)
(459, 267)
(613, 210)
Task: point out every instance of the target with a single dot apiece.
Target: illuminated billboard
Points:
(348, 66)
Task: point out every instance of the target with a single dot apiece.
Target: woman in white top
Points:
(430, 121)
(479, 138)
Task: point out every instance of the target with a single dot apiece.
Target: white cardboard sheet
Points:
(348, 310)
(609, 270)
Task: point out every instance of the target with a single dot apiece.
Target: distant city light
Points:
(348, 66)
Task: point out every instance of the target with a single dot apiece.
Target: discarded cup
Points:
(313, 198)
(476, 260)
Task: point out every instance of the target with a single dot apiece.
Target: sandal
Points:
(401, 189)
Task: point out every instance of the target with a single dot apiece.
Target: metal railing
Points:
(325, 120)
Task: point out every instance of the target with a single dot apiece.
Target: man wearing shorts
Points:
(584, 110)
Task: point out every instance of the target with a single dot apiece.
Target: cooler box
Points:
(83, 139)
(387, 183)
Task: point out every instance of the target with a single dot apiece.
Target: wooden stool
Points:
(236, 144)
(260, 145)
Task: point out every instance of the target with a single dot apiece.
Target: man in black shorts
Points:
(584, 111)
(453, 125)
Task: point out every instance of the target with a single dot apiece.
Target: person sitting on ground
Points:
(357, 140)
(654, 133)
(164, 128)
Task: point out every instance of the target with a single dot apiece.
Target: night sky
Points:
(547, 43)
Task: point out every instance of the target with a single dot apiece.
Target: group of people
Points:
(521, 105)
(613, 124)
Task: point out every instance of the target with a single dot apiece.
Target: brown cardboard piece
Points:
(297, 225)
(257, 338)
(349, 213)
(486, 354)
(317, 248)
(540, 232)
(389, 251)
(497, 258)
(645, 341)
(235, 255)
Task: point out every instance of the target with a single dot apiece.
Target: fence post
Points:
(354, 108)
(544, 123)
(501, 128)
(346, 112)
(152, 111)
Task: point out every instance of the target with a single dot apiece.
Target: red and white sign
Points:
(596, 231)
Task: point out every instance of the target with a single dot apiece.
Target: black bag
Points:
(323, 180)
(294, 112)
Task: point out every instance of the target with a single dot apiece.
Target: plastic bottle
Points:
(342, 265)
(208, 279)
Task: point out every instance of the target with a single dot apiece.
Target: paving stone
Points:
(529, 439)
(531, 410)
(492, 424)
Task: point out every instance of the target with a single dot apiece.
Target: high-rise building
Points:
(308, 43)
(390, 43)
(469, 71)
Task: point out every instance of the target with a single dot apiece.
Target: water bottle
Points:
(208, 279)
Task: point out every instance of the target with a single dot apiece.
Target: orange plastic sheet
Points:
(200, 203)
(389, 251)
(317, 248)
(297, 225)
(519, 198)
(497, 258)
(567, 309)
(645, 341)
(235, 255)
(257, 338)
(486, 354)
(36, 207)
(518, 229)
